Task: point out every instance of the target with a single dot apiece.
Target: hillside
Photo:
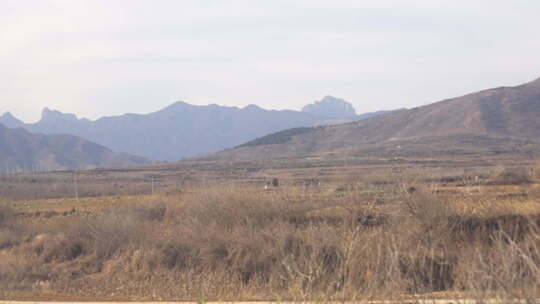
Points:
(21, 150)
(177, 131)
(505, 118)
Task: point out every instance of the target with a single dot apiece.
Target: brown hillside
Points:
(21, 150)
(503, 118)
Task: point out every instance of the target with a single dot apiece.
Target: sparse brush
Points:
(512, 176)
(6, 214)
(379, 239)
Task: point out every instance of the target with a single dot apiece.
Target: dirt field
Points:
(419, 301)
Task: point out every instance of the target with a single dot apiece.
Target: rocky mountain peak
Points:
(331, 106)
(53, 115)
(9, 121)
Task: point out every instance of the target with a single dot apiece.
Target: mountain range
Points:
(494, 120)
(21, 150)
(183, 130)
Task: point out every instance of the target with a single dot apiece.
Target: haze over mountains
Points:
(493, 120)
(21, 150)
(183, 130)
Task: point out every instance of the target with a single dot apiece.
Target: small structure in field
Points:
(273, 184)
(411, 190)
(312, 182)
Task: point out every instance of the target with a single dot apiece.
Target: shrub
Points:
(6, 215)
(424, 206)
(511, 176)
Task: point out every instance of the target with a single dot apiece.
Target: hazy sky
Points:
(102, 57)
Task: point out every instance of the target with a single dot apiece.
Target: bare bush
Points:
(10, 233)
(6, 215)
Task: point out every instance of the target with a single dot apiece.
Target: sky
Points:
(100, 58)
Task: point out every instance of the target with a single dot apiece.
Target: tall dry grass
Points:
(231, 243)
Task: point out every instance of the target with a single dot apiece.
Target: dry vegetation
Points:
(382, 234)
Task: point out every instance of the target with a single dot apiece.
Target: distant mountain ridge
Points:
(177, 131)
(10, 121)
(503, 118)
(21, 150)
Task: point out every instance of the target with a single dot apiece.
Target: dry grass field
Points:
(348, 229)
